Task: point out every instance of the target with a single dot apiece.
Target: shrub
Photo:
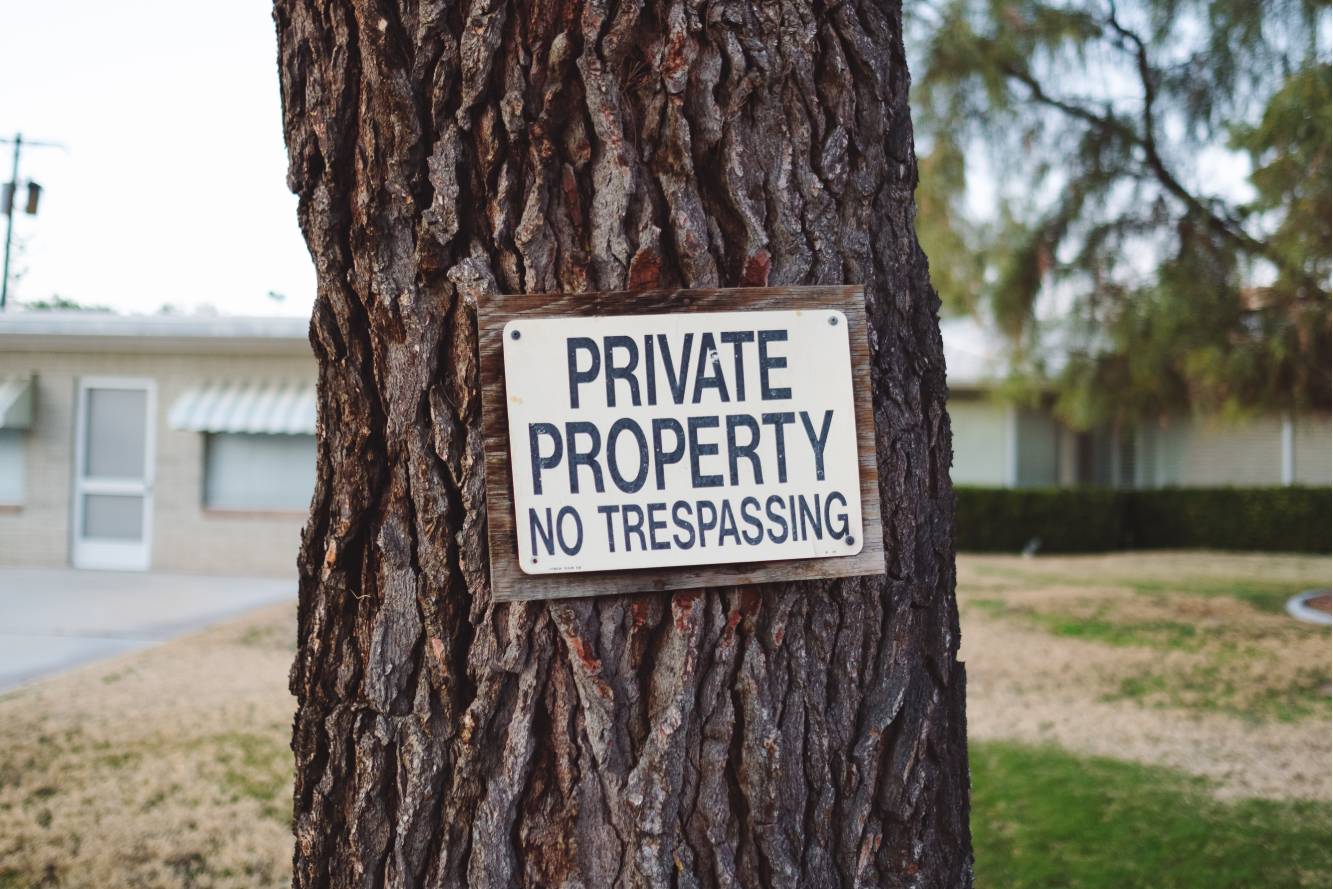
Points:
(1091, 519)
(1268, 519)
(1065, 519)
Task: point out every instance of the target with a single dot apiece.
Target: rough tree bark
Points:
(802, 735)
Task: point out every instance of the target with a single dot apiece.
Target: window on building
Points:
(12, 446)
(252, 471)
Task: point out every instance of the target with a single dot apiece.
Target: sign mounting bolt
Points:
(833, 320)
(851, 541)
(515, 334)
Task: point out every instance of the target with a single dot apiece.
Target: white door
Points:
(113, 473)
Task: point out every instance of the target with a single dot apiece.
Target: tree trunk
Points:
(802, 735)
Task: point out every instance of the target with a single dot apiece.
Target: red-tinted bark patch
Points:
(645, 269)
(749, 601)
(755, 271)
(590, 661)
(682, 604)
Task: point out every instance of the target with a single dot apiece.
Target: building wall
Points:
(186, 536)
(1193, 452)
(1183, 451)
(1039, 448)
(1206, 452)
(1312, 450)
(982, 436)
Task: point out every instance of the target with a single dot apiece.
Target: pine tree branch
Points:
(1229, 229)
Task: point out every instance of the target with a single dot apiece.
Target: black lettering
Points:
(727, 524)
(576, 377)
(775, 518)
(537, 529)
(736, 451)
(635, 527)
(609, 510)
(708, 372)
(700, 449)
(588, 458)
(656, 524)
(736, 339)
(626, 373)
(650, 368)
(749, 506)
(569, 512)
(841, 517)
(813, 516)
(538, 461)
(676, 383)
(628, 485)
(778, 421)
(817, 443)
(771, 362)
(682, 523)
(661, 458)
(703, 524)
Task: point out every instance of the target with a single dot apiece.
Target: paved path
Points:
(54, 619)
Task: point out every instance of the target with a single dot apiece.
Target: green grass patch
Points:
(1269, 596)
(1213, 687)
(1045, 818)
(1099, 626)
(1160, 634)
(257, 767)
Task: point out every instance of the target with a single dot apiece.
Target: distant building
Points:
(172, 443)
(188, 444)
(1004, 445)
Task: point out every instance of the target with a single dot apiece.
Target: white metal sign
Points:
(655, 441)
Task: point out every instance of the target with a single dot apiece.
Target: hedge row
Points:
(1067, 520)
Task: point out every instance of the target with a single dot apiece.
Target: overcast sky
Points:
(172, 188)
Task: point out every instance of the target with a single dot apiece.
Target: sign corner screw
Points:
(833, 320)
(513, 335)
(851, 541)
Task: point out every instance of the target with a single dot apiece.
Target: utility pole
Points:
(11, 198)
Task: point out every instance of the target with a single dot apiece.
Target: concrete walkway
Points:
(54, 619)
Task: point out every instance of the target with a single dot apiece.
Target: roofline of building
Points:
(162, 334)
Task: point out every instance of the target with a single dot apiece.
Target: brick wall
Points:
(186, 537)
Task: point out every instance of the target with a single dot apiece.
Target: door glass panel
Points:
(112, 517)
(116, 429)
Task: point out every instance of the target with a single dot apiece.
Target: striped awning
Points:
(16, 397)
(267, 408)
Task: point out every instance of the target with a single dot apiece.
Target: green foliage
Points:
(1068, 520)
(1161, 206)
(1270, 519)
(58, 303)
(1043, 818)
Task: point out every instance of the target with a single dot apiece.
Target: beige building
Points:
(167, 443)
(998, 444)
(187, 444)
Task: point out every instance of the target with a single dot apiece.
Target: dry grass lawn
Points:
(170, 768)
(1178, 659)
(166, 767)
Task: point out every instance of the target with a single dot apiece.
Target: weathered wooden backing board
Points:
(510, 583)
